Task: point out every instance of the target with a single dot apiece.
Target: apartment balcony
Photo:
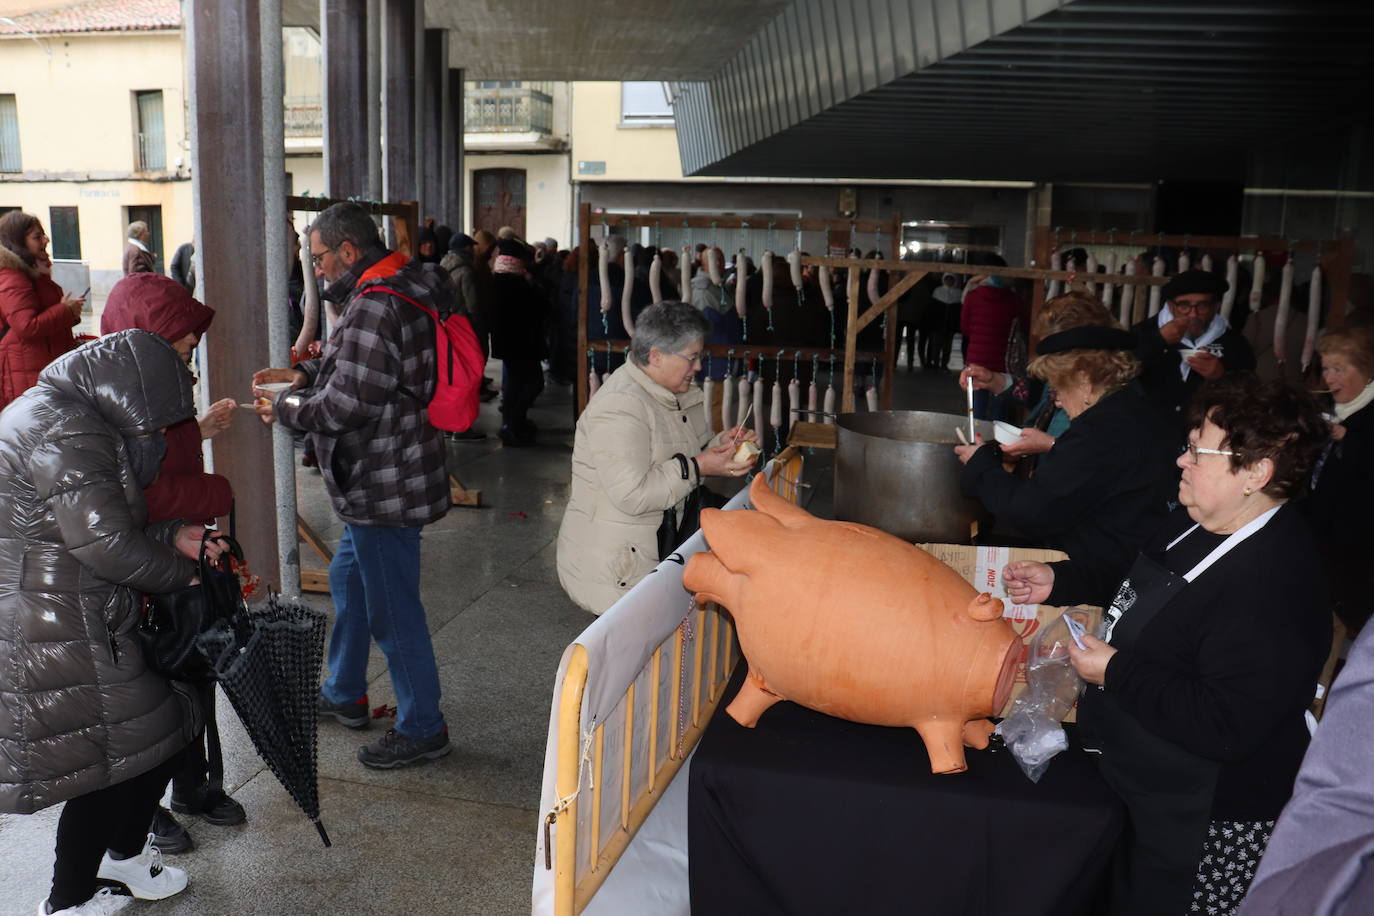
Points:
(509, 117)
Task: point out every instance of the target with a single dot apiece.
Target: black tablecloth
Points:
(810, 814)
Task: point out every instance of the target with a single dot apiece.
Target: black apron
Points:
(1167, 790)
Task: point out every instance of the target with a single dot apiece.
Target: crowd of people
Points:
(1216, 514)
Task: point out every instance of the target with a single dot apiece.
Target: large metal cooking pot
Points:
(896, 470)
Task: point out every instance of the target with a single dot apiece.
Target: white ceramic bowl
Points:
(272, 387)
(1006, 433)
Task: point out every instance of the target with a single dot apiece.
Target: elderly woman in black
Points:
(1105, 484)
(1210, 654)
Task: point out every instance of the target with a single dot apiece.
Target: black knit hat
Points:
(1087, 337)
(1192, 282)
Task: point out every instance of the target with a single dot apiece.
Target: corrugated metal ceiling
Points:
(1092, 90)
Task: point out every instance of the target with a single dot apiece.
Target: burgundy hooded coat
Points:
(152, 302)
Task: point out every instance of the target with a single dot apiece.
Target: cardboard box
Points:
(982, 568)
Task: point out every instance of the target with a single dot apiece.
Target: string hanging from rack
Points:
(727, 392)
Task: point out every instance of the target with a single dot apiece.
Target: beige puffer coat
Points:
(624, 476)
(79, 709)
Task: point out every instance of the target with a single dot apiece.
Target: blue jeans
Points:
(375, 581)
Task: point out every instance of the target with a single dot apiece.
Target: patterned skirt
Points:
(1230, 857)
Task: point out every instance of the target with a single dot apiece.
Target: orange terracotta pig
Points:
(853, 622)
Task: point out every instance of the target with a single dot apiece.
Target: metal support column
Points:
(225, 64)
(455, 176)
(398, 100)
(433, 89)
(372, 100)
(347, 143)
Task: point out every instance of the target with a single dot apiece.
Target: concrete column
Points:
(453, 165)
(372, 100)
(433, 89)
(399, 175)
(343, 33)
(225, 63)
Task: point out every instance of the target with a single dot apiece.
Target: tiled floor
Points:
(453, 836)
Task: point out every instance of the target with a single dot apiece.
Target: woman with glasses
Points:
(1105, 484)
(642, 447)
(1188, 344)
(1209, 656)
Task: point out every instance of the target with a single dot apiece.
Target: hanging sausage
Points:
(767, 268)
(794, 268)
(827, 290)
(1156, 270)
(627, 289)
(603, 274)
(1257, 283)
(1056, 263)
(760, 421)
(708, 394)
(1285, 310)
(685, 274)
(871, 396)
(741, 284)
(593, 382)
(1228, 299)
(794, 401)
(1090, 268)
(1185, 260)
(1128, 294)
(775, 412)
(830, 401)
(746, 394)
(813, 398)
(1207, 262)
(1314, 312)
(656, 279)
(1109, 289)
(727, 399)
(713, 265)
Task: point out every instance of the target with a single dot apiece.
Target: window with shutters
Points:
(64, 224)
(645, 103)
(9, 135)
(150, 140)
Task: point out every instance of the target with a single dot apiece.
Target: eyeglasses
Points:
(318, 259)
(1190, 308)
(693, 358)
(1194, 450)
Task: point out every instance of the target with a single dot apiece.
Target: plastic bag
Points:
(1032, 731)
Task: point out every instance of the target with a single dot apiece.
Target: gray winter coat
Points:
(79, 710)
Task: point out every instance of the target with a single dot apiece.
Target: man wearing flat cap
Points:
(1188, 344)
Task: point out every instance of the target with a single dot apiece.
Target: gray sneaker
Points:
(394, 750)
(354, 715)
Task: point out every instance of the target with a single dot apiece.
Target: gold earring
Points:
(1248, 491)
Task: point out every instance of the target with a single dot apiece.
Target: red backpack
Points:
(460, 362)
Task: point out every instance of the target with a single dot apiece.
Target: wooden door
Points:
(499, 199)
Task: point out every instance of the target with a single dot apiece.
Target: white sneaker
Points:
(144, 874)
(103, 903)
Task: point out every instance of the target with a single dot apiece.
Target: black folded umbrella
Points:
(267, 659)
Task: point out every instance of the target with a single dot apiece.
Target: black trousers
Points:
(114, 818)
(522, 381)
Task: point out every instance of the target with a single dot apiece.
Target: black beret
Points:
(511, 248)
(1192, 282)
(1087, 337)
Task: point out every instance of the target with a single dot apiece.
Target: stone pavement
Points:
(452, 836)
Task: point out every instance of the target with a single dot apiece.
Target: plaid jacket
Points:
(364, 401)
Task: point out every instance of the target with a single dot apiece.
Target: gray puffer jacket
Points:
(79, 710)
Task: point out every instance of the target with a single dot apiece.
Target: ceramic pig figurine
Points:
(853, 622)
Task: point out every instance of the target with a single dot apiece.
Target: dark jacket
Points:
(986, 321)
(79, 710)
(365, 397)
(136, 260)
(1098, 494)
(1227, 667)
(1340, 509)
(518, 332)
(163, 306)
(183, 269)
(40, 326)
(1163, 379)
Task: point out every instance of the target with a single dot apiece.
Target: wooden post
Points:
(1336, 267)
(584, 245)
(851, 338)
(1044, 252)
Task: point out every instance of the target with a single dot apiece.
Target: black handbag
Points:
(672, 531)
(172, 621)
